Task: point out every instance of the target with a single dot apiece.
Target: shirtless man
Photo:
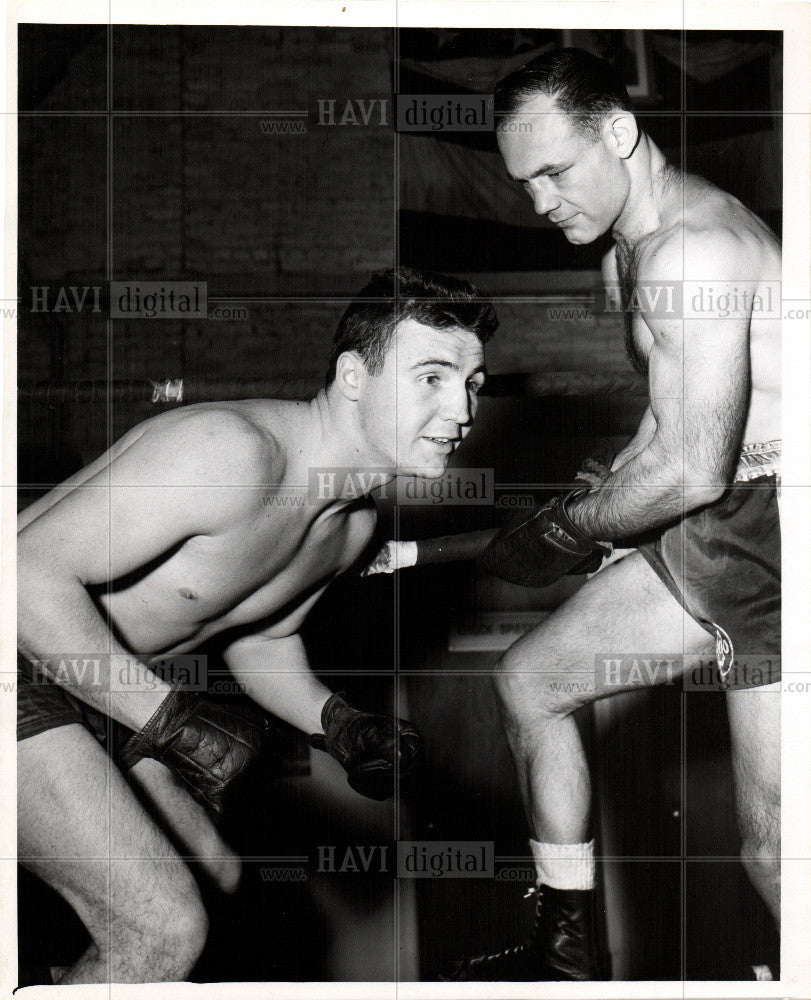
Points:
(697, 475)
(197, 522)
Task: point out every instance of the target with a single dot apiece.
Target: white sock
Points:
(564, 866)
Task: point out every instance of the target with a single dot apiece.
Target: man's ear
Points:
(622, 132)
(350, 371)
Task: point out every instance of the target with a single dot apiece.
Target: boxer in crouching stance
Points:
(197, 522)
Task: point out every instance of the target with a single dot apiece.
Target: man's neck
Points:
(332, 442)
(649, 194)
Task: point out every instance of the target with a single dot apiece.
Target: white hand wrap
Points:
(393, 556)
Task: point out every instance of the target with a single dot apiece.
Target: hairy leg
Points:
(82, 830)
(186, 823)
(625, 610)
(754, 720)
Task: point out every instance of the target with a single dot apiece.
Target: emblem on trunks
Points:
(724, 652)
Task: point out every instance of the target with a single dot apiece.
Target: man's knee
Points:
(189, 935)
(163, 937)
(759, 823)
(531, 688)
(761, 862)
(760, 837)
(761, 856)
(757, 792)
(512, 684)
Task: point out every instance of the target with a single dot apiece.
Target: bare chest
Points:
(261, 568)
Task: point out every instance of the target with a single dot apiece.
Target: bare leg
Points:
(83, 832)
(186, 822)
(754, 720)
(621, 631)
(625, 610)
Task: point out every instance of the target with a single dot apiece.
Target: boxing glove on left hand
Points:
(207, 744)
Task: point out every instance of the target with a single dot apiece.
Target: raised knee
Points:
(530, 691)
(510, 684)
(164, 939)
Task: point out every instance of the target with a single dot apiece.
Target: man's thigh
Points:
(82, 830)
(185, 822)
(620, 631)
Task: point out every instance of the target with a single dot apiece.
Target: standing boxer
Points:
(197, 522)
(701, 474)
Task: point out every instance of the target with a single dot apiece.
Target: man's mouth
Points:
(442, 442)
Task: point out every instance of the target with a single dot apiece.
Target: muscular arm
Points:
(647, 425)
(272, 666)
(174, 481)
(638, 443)
(685, 450)
(276, 674)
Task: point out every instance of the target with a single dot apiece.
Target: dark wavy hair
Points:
(396, 294)
(584, 86)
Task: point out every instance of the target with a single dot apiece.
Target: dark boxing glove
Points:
(367, 746)
(544, 548)
(207, 744)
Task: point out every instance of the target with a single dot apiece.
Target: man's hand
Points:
(593, 472)
(368, 746)
(544, 548)
(206, 744)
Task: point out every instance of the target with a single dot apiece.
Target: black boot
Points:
(562, 945)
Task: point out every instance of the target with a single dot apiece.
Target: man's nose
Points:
(457, 405)
(544, 199)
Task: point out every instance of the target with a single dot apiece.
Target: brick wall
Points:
(209, 195)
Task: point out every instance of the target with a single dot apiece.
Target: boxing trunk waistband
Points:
(762, 459)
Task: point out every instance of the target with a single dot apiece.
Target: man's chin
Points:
(424, 472)
(578, 237)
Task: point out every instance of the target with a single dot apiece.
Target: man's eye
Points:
(475, 386)
(430, 379)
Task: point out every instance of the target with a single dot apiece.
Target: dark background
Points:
(141, 149)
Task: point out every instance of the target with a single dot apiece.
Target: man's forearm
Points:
(642, 494)
(276, 674)
(59, 623)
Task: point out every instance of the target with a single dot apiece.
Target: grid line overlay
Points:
(398, 674)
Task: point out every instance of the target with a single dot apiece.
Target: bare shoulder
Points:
(711, 250)
(711, 235)
(207, 443)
